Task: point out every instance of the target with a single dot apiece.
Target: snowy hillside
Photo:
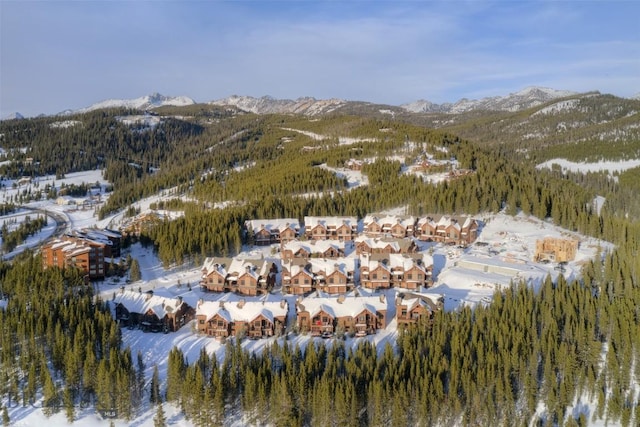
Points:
(526, 98)
(143, 103)
(267, 105)
(13, 116)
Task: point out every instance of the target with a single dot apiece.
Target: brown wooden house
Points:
(333, 228)
(268, 231)
(254, 319)
(150, 312)
(244, 276)
(325, 316)
(412, 309)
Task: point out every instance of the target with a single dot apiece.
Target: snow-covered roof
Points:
(391, 220)
(390, 262)
(242, 311)
(137, 302)
(342, 306)
(330, 221)
(235, 267)
(313, 246)
(329, 266)
(273, 225)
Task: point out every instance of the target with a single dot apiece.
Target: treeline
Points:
(11, 239)
(60, 348)
(566, 344)
(496, 184)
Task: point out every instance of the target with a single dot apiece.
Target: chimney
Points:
(382, 298)
(283, 303)
(341, 299)
(241, 303)
(179, 302)
(149, 294)
(200, 302)
(221, 304)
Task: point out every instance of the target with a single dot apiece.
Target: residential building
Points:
(268, 231)
(331, 228)
(254, 319)
(312, 249)
(385, 245)
(383, 271)
(413, 308)
(75, 251)
(151, 313)
(389, 226)
(324, 316)
(447, 230)
(244, 276)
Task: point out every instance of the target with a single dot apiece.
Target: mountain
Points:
(143, 103)
(13, 116)
(267, 105)
(526, 98)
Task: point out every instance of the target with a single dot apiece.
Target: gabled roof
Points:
(330, 221)
(136, 302)
(272, 225)
(242, 312)
(314, 246)
(235, 267)
(391, 220)
(349, 305)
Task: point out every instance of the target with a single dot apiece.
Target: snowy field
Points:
(609, 166)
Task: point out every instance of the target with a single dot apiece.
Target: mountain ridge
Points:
(528, 97)
(146, 102)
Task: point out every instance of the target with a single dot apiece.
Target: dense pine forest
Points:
(494, 365)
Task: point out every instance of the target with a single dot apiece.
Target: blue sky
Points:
(57, 55)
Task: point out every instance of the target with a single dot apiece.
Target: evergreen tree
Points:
(134, 270)
(159, 420)
(6, 420)
(154, 393)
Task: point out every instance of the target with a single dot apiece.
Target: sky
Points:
(57, 55)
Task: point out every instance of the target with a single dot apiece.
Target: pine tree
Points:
(160, 420)
(5, 417)
(154, 393)
(134, 270)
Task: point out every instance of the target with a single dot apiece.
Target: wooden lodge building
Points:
(333, 276)
(151, 313)
(447, 230)
(412, 309)
(263, 232)
(255, 319)
(358, 315)
(243, 276)
(312, 249)
(384, 271)
(339, 228)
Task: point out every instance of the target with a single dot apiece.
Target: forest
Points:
(493, 365)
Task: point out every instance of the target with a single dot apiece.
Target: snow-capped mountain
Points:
(13, 116)
(143, 103)
(526, 98)
(266, 105)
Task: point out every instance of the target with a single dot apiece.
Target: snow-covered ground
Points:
(609, 166)
(506, 245)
